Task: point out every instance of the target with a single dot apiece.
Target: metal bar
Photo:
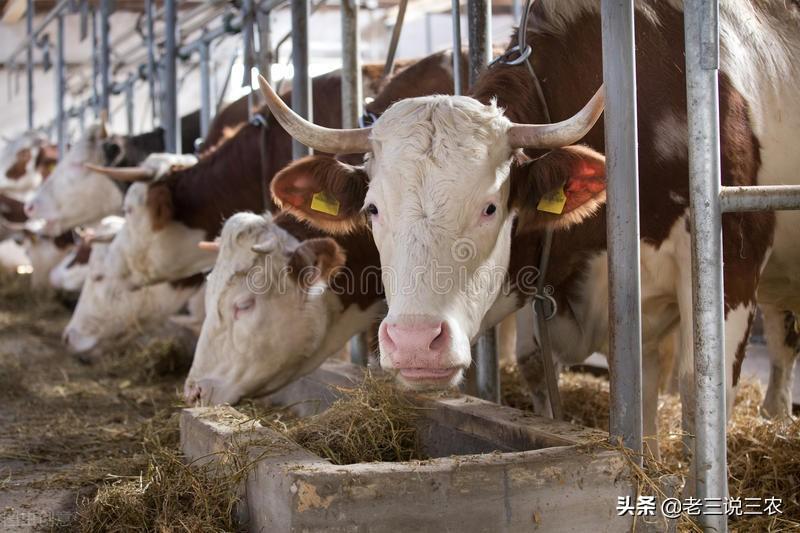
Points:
(551, 377)
(480, 46)
(205, 89)
(487, 371)
(105, 56)
(172, 129)
(247, 50)
(29, 66)
(359, 350)
(622, 212)
(301, 86)
(479, 19)
(701, 26)
(516, 10)
(31, 38)
(759, 198)
(60, 89)
(95, 66)
(428, 33)
(456, 16)
(152, 73)
(351, 65)
(265, 55)
(396, 31)
(129, 104)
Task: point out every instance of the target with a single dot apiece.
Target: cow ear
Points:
(325, 192)
(315, 260)
(559, 189)
(159, 206)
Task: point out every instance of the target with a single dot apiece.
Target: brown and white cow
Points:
(169, 215)
(441, 183)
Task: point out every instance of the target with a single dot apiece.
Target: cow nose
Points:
(414, 343)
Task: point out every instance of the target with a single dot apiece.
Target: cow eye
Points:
(372, 209)
(489, 210)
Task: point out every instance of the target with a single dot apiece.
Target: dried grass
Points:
(763, 455)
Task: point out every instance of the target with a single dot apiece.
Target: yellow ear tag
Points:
(325, 203)
(553, 202)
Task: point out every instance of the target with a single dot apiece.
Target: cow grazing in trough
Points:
(444, 176)
(280, 300)
(169, 214)
(45, 253)
(107, 310)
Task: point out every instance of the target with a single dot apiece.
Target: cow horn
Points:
(266, 246)
(122, 173)
(103, 124)
(331, 141)
(209, 246)
(562, 133)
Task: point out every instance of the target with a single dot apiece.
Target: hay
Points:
(763, 455)
(370, 422)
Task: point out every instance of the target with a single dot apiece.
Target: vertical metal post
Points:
(205, 89)
(352, 99)
(479, 21)
(95, 66)
(428, 33)
(479, 13)
(516, 10)
(172, 129)
(622, 209)
(29, 25)
(129, 104)
(247, 50)
(105, 56)
(457, 47)
(701, 25)
(152, 73)
(301, 86)
(60, 86)
(266, 60)
(351, 65)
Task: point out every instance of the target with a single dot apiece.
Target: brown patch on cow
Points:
(159, 206)
(65, 240)
(295, 187)
(12, 210)
(20, 164)
(46, 160)
(82, 254)
(315, 260)
(792, 328)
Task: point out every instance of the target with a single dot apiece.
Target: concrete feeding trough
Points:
(493, 468)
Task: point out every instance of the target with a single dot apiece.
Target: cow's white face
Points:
(267, 314)
(107, 309)
(438, 202)
(19, 176)
(144, 256)
(70, 273)
(74, 195)
(442, 188)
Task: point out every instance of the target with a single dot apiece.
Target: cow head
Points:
(45, 253)
(74, 195)
(131, 150)
(107, 309)
(268, 311)
(443, 182)
(152, 246)
(20, 171)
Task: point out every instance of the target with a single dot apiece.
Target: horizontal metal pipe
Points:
(759, 198)
(50, 17)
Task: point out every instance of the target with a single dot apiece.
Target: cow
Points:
(445, 179)
(75, 196)
(281, 298)
(24, 163)
(45, 253)
(106, 309)
(169, 214)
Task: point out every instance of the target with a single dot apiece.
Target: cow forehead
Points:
(425, 150)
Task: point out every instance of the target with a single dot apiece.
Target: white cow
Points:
(271, 313)
(107, 309)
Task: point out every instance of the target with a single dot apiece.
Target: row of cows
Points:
(413, 220)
